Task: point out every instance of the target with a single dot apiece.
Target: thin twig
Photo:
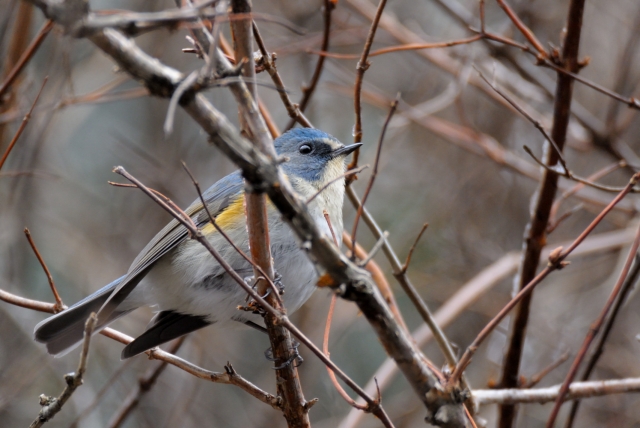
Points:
(631, 102)
(327, 330)
(536, 378)
(26, 56)
(405, 282)
(593, 330)
(526, 31)
(52, 405)
(401, 48)
(361, 67)
(374, 173)
(405, 266)
(213, 221)
(378, 277)
(25, 120)
(553, 223)
(59, 306)
(374, 250)
(269, 63)
(307, 90)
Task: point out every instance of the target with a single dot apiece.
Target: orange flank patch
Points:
(229, 217)
(326, 281)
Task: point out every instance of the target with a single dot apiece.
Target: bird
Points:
(181, 280)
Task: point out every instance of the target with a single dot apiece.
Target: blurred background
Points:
(453, 157)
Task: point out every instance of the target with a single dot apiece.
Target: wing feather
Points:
(218, 197)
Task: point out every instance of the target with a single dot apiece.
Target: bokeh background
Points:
(435, 168)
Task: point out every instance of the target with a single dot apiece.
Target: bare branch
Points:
(59, 306)
(52, 405)
(25, 120)
(578, 390)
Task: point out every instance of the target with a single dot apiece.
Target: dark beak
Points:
(345, 150)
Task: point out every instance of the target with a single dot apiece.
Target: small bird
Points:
(181, 278)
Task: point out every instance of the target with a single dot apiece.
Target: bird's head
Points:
(313, 156)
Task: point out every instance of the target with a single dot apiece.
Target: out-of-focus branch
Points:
(23, 124)
(361, 67)
(52, 405)
(144, 384)
(535, 232)
(59, 306)
(307, 90)
(26, 56)
(578, 390)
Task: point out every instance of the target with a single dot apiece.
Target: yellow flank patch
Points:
(228, 217)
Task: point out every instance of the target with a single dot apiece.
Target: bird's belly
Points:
(189, 280)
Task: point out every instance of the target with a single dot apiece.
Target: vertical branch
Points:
(243, 42)
(535, 233)
(307, 91)
(363, 65)
(295, 408)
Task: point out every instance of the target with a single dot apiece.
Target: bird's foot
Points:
(295, 358)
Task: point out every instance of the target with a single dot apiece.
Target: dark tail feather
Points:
(165, 326)
(64, 331)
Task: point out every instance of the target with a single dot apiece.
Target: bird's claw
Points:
(295, 358)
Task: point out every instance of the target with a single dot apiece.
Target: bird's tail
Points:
(64, 331)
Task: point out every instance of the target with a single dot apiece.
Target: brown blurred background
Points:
(55, 183)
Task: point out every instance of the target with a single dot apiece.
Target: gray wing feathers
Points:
(63, 331)
(167, 325)
(217, 197)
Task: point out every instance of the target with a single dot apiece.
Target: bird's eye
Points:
(305, 149)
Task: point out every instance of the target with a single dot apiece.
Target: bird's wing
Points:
(165, 326)
(218, 197)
